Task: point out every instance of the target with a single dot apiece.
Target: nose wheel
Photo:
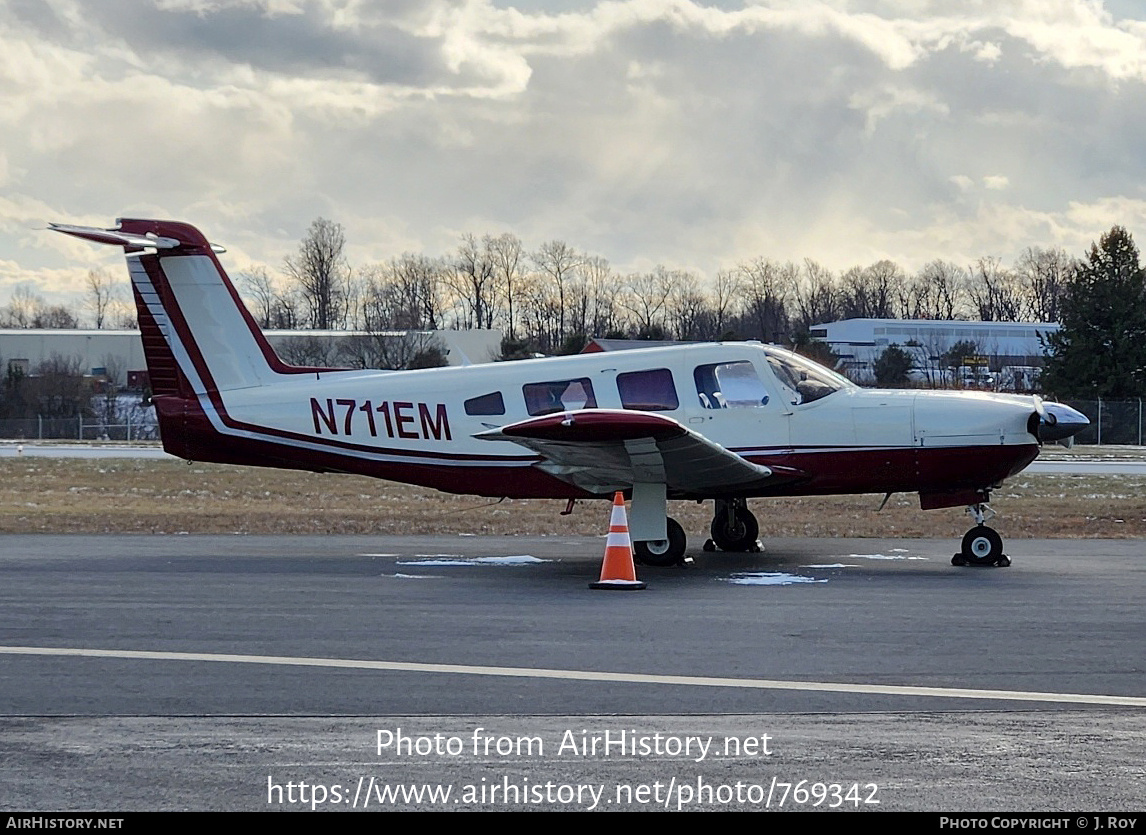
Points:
(982, 546)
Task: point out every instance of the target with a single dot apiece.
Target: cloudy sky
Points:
(693, 133)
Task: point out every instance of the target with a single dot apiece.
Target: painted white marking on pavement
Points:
(591, 675)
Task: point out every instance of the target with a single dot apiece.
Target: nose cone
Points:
(1059, 422)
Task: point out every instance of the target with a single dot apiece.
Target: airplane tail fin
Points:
(199, 339)
(198, 336)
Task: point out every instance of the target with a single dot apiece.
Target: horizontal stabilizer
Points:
(129, 240)
(115, 237)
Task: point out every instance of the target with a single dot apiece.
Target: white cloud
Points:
(643, 130)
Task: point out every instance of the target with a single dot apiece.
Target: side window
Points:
(487, 404)
(807, 381)
(648, 391)
(730, 385)
(559, 396)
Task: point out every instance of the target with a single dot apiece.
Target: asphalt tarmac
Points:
(209, 672)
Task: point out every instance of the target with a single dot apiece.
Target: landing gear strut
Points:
(663, 552)
(981, 545)
(734, 528)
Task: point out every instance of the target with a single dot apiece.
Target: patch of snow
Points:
(767, 578)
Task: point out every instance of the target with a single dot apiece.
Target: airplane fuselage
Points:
(419, 426)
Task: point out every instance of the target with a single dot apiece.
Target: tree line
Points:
(551, 299)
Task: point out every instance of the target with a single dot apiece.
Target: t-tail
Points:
(199, 339)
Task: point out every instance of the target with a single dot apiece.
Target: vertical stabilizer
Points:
(198, 337)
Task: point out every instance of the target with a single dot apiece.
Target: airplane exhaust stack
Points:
(618, 571)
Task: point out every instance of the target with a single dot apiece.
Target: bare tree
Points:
(604, 290)
(21, 309)
(403, 295)
(55, 317)
(995, 292)
(100, 296)
(508, 255)
(473, 280)
(541, 313)
(646, 298)
(815, 297)
(310, 351)
(272, 305)
(689, 314)
(394, 350)
(1046, 273)
(106, 404)
(939, 291)
(558, 263)
(869, 292)
(124, 315)
(322, 274)
(58, 387)
(766, 286)
(727, 303)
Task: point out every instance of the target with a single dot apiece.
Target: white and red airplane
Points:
(727, 421)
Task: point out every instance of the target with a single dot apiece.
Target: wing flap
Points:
(602, 450)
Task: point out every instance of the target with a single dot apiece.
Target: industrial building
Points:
(118, 354)
(1011, 349)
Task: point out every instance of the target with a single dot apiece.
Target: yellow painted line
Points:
(591, 675)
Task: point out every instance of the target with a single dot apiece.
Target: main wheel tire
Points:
(740, 535)
(663, 552)
(982, 546)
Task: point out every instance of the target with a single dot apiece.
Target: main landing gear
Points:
(664, 552)
(981, 546)
(734, 528)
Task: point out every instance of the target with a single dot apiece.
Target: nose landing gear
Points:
(982, 546)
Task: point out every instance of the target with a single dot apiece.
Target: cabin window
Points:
(648, 391)
(559, 396)
(730, 385)
(487, 404)
(806, 381)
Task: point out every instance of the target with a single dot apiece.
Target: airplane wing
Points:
(602, 450)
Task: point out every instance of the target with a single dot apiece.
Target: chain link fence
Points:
(1111, 421)
(77, 428)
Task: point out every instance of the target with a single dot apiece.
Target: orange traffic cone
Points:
(618, 571)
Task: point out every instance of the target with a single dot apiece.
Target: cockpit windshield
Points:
(806, 380)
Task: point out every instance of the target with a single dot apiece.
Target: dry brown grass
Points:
(45, 495)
